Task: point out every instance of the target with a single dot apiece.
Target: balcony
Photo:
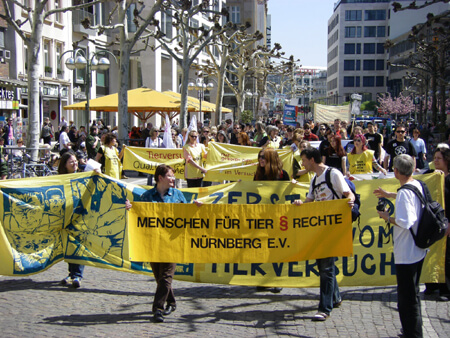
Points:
(77, 17)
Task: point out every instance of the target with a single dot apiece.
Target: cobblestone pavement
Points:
(118, 304)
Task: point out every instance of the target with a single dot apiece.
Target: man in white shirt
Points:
(408, 256)
(319, 191)
(64, 141)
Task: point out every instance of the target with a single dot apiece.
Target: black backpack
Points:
(357, 204)
(433, 224)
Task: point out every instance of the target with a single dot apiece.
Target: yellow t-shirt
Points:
(197, 153)
(361, 163)
(112, 162)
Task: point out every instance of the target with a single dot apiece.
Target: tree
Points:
(35, 20)
(189, 41)
(401, 105)
(430, 57)
(228, 46)
(246, 116)
(412, 5)
(127, 43)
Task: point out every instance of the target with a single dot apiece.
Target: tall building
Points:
(356, 63)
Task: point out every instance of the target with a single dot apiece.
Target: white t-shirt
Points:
(63, 140)
(149, 143)
(408, 210)
(322, 192)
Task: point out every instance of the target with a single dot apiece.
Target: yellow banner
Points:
(81, 218)
(147, 159)
(239, 233)
(224, 161)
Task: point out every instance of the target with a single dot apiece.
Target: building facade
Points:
(357, 32)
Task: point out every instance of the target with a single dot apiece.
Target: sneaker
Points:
(76, 283)
(320, 317)
(337, 304)
(158, 316)
(276, 290)
(66, 281)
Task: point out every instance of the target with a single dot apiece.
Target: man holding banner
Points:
(164, 192)
(319, 191)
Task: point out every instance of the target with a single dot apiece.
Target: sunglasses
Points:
(193, 136)
(400, 131)
(261, 157)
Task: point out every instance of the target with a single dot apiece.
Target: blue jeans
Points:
(76, 270)
(329, 289)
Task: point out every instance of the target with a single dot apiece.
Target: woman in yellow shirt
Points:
(194, 153)
(361, 159)
(112, 164)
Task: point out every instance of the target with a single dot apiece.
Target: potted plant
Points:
(48, 70)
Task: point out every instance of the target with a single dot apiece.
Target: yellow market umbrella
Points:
(142, 102)
(139, 100)
(195, 103)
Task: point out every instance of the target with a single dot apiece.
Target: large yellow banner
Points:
(242, 233)
(81, 218)
(224, 161)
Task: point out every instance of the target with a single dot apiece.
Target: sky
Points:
(301, 27)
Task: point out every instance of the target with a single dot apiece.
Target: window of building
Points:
(353, 15)
(368, 81)
(46, 53)
(58, 15)
(357, 81)
(349, 64)
(352, 32)
(369, 48)
(370, 31)
(2, 38)
(349, 81)
(379, 81)
(58, 53)
(166, 25)
(349, 48)
(130, 18)
(235, 14)
(369, 65)
(381, 31)
(380, 64)
(358, 48)
(380, 48)
(358, 65)
(375, 14)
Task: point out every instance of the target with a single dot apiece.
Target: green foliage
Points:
(246, 116)
(345, 103)
(369, 105)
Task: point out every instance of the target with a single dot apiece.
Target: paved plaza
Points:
(118, 304)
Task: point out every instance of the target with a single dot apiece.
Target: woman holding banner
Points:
(270, 168)
(68, 164)
(361, 159)
(194, 153)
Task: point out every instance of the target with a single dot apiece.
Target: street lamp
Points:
(80, 60)
(200, 86)
(252, 96)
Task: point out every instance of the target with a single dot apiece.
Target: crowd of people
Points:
(349, 149)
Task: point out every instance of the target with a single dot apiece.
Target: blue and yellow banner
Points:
(81, 218)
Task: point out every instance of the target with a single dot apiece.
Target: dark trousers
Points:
(408, 276)
(194, 183)
(76, 270)
(163, 273)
